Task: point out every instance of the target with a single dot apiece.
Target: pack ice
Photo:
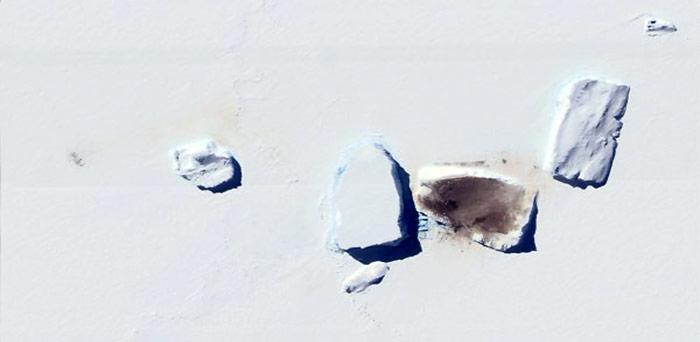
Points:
(586, 131)
(365, 276)
(207, 165)
(364, 200)
(487, 207)
(657, 27)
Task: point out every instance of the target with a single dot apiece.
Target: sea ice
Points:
(586, 131)
(657, 27)
(207, 165)
(365, 276)
(474, 201)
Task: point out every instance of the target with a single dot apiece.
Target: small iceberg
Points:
(365, 276)
(207, 165)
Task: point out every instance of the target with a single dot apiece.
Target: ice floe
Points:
(207, 165)
(472, 200)
(365, 276)
(585, 132)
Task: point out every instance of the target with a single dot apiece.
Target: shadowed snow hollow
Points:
(586, 132)
(207, 165)
(365, 276)
(474, 201)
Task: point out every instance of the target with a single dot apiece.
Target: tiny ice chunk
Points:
(657, 27)
(206, 165)
(365, 276)
(586, 131)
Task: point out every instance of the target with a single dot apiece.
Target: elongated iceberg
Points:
(585, 132)
(365, 276)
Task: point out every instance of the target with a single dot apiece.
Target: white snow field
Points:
(586, 132)
(123, 249)
(365, 276)
(205, 164)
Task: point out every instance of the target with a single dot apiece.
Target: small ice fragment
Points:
(207, 165)
(365, 276)
(586, 131)
(657, 27)
(485, 206)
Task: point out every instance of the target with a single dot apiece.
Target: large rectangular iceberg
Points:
(586, 131)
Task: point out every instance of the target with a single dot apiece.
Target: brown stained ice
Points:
(474, 201)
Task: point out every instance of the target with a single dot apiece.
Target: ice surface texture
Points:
(365, 276)
(586, 132)
(657, 27)
(369, 205)
(207, 165)
(473, 201)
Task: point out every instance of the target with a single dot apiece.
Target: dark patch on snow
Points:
(470, 202)
(77, 159)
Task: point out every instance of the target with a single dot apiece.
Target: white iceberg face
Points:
(205, 164)
(365, 276)
(366, 204)
(657, 27)
(474, 201)
(586, 132)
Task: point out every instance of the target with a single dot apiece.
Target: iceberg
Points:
(472, 200)
(207, 165)
(585, 133)
(369, 206)
(365, 276)
(656, 27)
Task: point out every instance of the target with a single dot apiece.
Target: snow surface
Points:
(657, 27)
(206, 165)
(365, 276)
(586, 132)
(487, 193)
(122, 249)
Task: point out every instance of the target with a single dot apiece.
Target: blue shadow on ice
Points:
(234, 182)
(406, 246)
(527, 241)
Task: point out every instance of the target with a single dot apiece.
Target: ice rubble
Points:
(369, 205)
(207, 165)
(474, 201)
(657, 27)
(365, 276)
(586, 131)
